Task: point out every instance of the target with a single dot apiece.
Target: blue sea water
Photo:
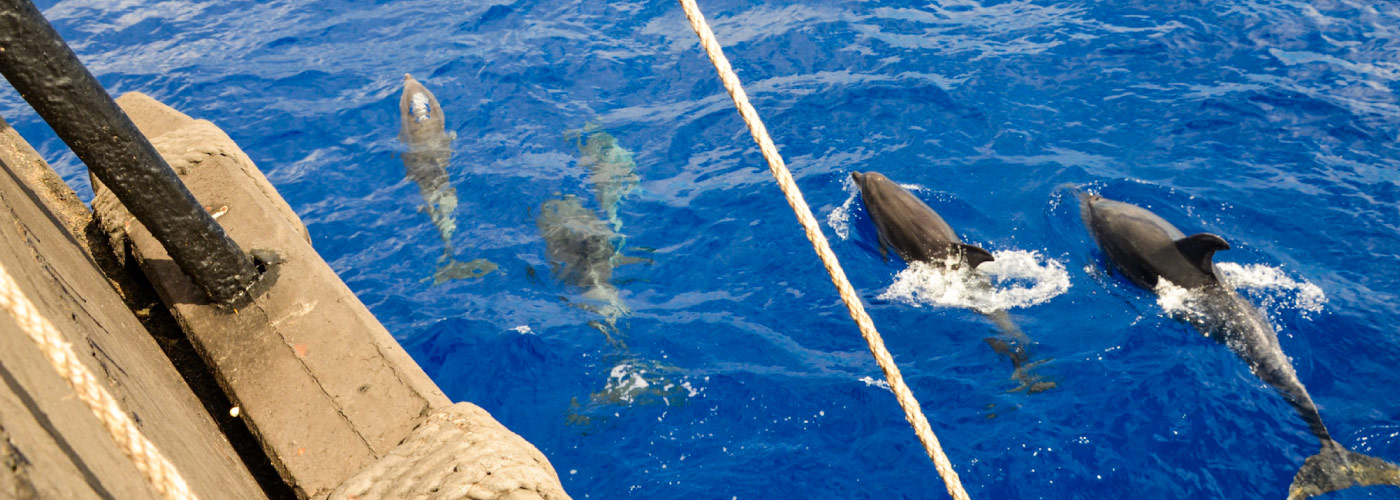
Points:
(731, 369)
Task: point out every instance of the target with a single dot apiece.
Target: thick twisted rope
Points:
(157, 471)
(912, 411)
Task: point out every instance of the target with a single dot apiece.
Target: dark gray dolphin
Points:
(423, 129)
(1148, 249)
(915, 232)
(906, 224)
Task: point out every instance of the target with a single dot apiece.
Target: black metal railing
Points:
(47, 74)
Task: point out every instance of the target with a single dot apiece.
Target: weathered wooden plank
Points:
(69, 454)
(317, 378)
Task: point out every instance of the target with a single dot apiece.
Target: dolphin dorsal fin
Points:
(1199, 248)
(975, 255)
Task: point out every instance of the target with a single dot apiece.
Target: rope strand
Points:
(912, 412)
(158, 472)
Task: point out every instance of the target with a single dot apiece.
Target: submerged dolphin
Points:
(423, 130)
(1149, 250)
(581, 252)
(915, 232)
(611, 169)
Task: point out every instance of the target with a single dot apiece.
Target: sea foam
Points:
(1017, 278)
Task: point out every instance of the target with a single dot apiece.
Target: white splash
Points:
(1177, 300)
(1273, 288)
(1017, 278)
(1268, 286)
(523, 330)
(840, 217)
(644, 382)
(870, 381)
(690, 390)
(626, 382)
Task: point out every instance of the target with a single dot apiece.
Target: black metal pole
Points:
(46, 72)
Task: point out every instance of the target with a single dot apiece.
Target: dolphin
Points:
(582, 252)
(423, 130)
(611, 169)
(917, 234)
(906, 224)
(1149, 250)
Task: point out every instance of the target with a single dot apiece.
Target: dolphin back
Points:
(1146, 247)
(1337, 468)
(577, 242)
(906, 224)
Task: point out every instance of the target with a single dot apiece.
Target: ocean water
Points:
(705, 354)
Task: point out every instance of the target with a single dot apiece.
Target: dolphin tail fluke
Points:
(1013, 343)
(1015, 353)
(1336, 468)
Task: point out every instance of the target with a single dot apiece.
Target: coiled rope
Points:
(912, 411)
(158, 472)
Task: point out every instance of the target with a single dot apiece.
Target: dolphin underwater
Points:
(611, 169)
(582, 249)
(1148, 250)
(917, 234)
(423, 130)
